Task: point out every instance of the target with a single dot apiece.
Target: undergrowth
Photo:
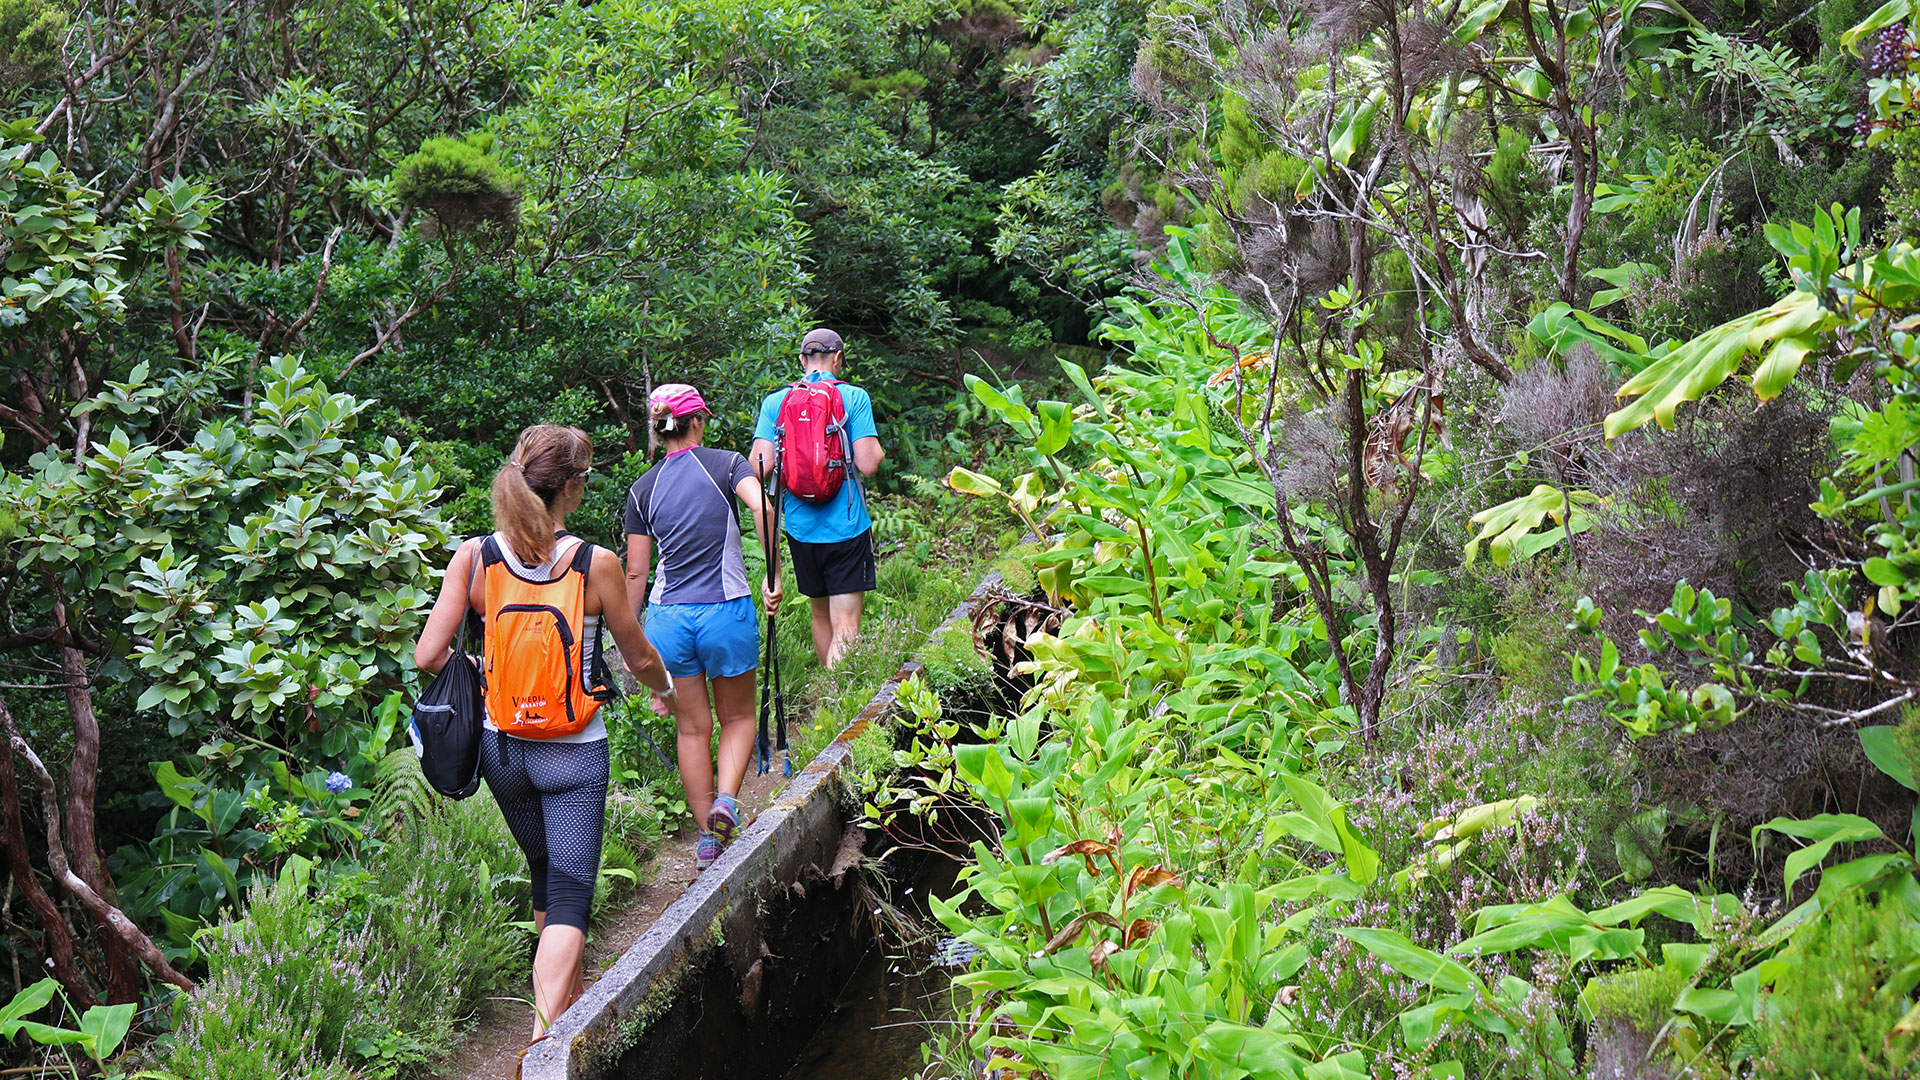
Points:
(373, 972)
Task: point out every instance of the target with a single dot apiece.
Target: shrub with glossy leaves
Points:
(268, 572)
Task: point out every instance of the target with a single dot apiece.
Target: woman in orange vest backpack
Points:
(545, 596)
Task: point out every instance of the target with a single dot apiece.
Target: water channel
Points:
(833, 992)
(880, 1020)
(822, 975)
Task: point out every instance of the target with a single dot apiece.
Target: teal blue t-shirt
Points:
(844, 516)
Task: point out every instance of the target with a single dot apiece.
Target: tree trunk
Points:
(108, 917)
(1365, 532)
(83, 774)
(56, 943)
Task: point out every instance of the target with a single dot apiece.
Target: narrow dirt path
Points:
(492, 1051)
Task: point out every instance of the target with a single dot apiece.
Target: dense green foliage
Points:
(1484, 574)
(1352, 670)
(282, 284)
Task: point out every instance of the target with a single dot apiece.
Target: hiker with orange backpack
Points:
(699, 609)
(545, 596)
(820, 433)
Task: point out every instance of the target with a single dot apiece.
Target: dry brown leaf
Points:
(1138, 930)
(1248, 363)
(1099, 953)
(1086, 849)
(1146, 877)
(1070, 932)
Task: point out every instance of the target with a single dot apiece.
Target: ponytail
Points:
(665, 424)
(546, 460)
(668, 426)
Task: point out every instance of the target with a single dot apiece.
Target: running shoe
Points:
(707, 852)
(724, 819)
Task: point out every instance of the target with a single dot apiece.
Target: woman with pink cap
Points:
(698, 610)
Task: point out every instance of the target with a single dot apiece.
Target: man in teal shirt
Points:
(831, 542)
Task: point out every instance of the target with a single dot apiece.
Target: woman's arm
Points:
(435, 646)
(755, 497)
(761, 457)
(618, 614)
(639, 564)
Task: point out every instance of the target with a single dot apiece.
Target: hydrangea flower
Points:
(338, 782)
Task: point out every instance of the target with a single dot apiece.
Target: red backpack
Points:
(815, 452)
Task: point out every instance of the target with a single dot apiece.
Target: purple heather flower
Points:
(338, 782)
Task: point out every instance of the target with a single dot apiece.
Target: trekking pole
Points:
(779, 691)
(770, 655)
(641, 727)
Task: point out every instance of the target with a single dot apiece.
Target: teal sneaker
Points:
(723, 820)
(707, 852)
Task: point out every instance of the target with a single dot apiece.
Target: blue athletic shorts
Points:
(716, 640)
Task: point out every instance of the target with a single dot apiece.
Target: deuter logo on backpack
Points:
(814, 451)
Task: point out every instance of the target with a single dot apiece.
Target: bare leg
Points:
(733, 699)
(822, 629)
(693, 717)
(558, 980)
(843, 613)
(579, 979)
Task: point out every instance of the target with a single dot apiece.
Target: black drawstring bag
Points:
(446, 720)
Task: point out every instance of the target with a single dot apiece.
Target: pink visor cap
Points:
(681, 399)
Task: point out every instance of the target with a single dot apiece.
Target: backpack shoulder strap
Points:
(475, 580)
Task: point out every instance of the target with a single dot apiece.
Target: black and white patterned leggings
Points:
(554, 797)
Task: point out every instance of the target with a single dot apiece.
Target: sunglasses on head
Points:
(818, 352)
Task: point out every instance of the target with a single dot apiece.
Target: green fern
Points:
(400, 788)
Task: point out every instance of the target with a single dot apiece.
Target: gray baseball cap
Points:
(822, 340)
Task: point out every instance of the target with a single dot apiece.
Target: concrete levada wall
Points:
(798, 838)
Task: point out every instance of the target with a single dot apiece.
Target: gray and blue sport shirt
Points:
(686, 503)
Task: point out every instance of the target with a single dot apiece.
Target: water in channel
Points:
(879, 1022)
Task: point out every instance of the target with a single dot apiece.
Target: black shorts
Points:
(844, 566)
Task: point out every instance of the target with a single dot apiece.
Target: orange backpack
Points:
(535, 687)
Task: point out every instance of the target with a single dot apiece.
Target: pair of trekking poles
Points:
(773, 701)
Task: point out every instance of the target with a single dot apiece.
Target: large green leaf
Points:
(967, 482)
(1078, 376)
(1350, 132)
(1261, 1052)
(1885, 15)
(1786, 329)
(1423, 965)
(1621, 278)
(1324, 822)
(1564, 328)
(1884, 750)
(105, 1026)
(1510, 524)
(1672, 901)
(25, 1003)
(1056, 426)
(1008, 409)
(1825, 831)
